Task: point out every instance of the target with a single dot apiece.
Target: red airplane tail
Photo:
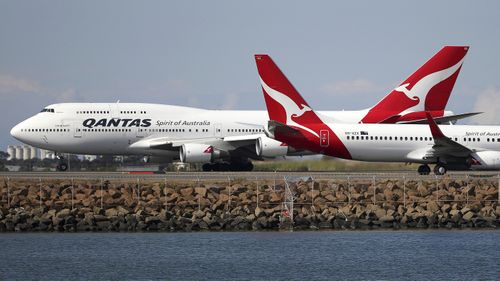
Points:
(278, 91)
(427, 89)
(292, 120)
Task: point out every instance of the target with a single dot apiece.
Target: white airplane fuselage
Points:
(409, 143)
(476, 147)
(114, 128)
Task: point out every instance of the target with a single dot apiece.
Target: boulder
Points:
(313, 193)
(63, 213)
(152, 219)
(186, 191)
(432, 207)
(275, 197)
(330, 198)
(198, 214)
(388, 194)
(468, 216)
(422, 190)
(386, 218)
(379, 212)
(201, 191)
(111, 212)
(258, 211)
(445, 208)
(250, 218)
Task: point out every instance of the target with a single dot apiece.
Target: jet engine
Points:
(199, 153)
(267, 147)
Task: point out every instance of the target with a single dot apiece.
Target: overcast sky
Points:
(339, 55)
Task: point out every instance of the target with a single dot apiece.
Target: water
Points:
(346, 255)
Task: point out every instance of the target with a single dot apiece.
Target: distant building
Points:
(11, 150)
(19, 152)
(22, 152)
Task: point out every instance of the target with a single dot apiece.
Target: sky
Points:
(338, 54)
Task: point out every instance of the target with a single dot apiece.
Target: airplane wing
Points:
(166, 143)
(443, 146)
(444, 119)
(243, 145)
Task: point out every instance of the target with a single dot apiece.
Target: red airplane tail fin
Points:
(280, 95)
(427, 89)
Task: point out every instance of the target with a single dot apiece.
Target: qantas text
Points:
(116, 122)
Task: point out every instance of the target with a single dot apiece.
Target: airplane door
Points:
(218, 129)
(324, 138)
(114, 110)
(140, 132)
(77, 129)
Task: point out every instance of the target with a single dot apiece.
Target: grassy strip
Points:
(330, 165)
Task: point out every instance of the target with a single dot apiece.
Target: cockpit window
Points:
(48, 110)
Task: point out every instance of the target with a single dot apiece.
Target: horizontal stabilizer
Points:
(275, 127)
(443, 119)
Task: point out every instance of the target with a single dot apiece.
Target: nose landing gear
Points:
(62, 166)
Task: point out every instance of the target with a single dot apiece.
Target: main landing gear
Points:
(62, 166)
(424, 170)
(225, 166)
(439, 169)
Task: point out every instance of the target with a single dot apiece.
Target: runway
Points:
(278, 175)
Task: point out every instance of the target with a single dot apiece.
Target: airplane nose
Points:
(15, 131)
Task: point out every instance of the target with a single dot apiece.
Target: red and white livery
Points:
(293, 121)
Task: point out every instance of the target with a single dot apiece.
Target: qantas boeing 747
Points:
(222, 139)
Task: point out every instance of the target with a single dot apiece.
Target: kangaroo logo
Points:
(291, 108)
(420, 90)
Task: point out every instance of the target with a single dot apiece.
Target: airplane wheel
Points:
(439, 169)
(216, 167)
(424, 170)
(248, 166)
(62, 167)
(207, 167)
(240, 167)
(225, 167)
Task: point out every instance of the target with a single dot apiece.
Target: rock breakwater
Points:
(238, 205)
